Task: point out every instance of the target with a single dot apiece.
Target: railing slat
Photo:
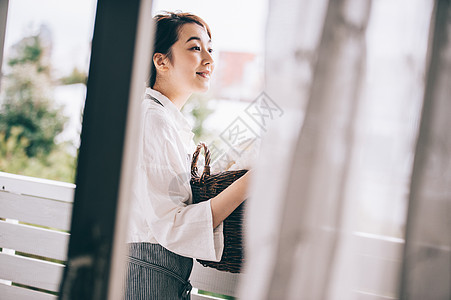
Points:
(369, 296)
(34, 240)
(212, 280)
(31, 186)
(18, 293)
(379, 258)
(376, 245)
(31, 272)
(202, 297)
(373, 254)
(34, 210)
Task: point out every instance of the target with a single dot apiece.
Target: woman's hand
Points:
(229, 199)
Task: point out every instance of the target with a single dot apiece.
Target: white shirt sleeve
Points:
(176, 224)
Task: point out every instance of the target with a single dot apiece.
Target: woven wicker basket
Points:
(208, 186)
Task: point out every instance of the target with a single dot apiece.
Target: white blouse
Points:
(161, 206)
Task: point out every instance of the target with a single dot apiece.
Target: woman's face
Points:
(192, 62)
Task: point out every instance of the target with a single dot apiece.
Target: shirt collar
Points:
(182, 122)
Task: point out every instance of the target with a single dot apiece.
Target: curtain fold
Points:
(310, 226)
(293, 35)
(427, 256)
(299, 233)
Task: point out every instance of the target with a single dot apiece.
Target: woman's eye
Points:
(197, 48)
(210, 50)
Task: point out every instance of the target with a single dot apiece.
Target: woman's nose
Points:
(208, 58)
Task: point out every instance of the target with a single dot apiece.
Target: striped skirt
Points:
(155, 273)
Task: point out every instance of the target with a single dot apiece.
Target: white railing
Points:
(35, 218)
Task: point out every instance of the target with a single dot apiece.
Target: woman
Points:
(166, 229)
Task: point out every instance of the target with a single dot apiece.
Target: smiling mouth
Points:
(204, 75)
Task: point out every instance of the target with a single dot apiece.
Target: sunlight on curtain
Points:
(328, 213)
(368, 260)
(291, 45)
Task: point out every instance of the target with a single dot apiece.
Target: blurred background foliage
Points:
(29, 119)
(196, 110)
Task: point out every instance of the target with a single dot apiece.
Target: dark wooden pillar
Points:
(119, 63)
(3, 17)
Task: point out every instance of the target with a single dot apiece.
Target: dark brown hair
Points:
(168, 25)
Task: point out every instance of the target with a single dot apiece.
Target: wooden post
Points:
(3, 18)
(119, 66)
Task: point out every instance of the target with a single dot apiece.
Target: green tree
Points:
(30, 50)
(58, 165)
(27, 104)
(29, 119)
(76, 76)
(197, 109)
(12, 150)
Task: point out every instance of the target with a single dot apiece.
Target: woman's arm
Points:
(225, 202)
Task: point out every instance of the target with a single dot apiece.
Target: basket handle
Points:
(194, 171)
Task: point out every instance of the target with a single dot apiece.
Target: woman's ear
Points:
(160, 61)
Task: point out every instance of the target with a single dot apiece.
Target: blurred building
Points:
(238, 76)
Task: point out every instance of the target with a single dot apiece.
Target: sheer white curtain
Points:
(427, 256)
(327, 219)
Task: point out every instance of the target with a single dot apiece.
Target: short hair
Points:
(168, 26)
